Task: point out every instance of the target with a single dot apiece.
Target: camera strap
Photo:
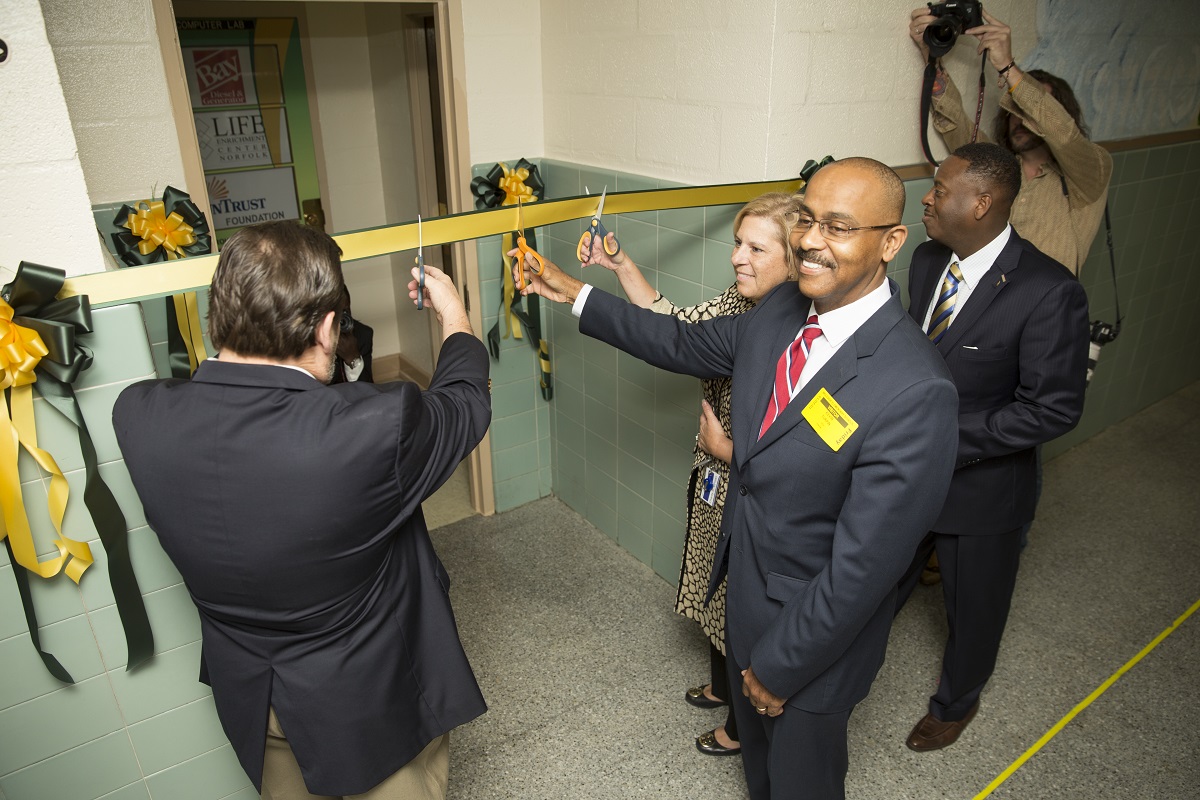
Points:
(1112, 262)
(927, 103)
(1112, 259)
(979, 102)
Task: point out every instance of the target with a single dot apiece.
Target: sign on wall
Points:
(250, 106)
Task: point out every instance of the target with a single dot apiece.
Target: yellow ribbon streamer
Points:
(159, 280)
(187, 317)
(512, 324)
(158, 229)
(20, 351)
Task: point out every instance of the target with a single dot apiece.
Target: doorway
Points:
(386, 137)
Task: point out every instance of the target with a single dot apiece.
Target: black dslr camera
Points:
(1100, 334)
(953, 17)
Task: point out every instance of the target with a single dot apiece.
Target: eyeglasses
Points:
(834, 230)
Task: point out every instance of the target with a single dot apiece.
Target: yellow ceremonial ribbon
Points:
(159, 229)
(160, 280)
(510, 291)
(20, 351)
(187, 317)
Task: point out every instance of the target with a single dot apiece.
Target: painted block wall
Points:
(39, 169)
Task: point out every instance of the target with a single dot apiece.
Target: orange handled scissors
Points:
(540, 263)
(596, 229)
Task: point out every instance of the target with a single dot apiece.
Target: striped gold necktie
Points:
(943, 312)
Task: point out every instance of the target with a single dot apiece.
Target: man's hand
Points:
(712, 438)
(442, 296)
(995, 37)
(918, 22)
(552, 284)
(760, 697)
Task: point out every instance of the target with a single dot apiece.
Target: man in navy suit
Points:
(1012, 325)
(844, 434)
(292, 511)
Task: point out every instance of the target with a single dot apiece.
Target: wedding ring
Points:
(761, 709)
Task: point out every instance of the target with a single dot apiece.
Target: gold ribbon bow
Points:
(21, 349)
(513, 184)
(157, 229)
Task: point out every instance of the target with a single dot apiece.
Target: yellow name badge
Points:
(829, 420)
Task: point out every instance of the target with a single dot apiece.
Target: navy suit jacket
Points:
(813, 540)
(292, 511)
(1018, 353)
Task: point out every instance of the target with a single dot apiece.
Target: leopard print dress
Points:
(703, 520)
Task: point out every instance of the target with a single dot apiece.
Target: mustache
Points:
(814, 258)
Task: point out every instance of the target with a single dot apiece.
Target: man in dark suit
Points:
(292, 510)
(1012, 325)
(843, 444)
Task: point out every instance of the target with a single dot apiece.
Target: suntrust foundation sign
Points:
(220, 76)
(238, 199)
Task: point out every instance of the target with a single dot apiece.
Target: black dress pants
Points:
(795, 756)
(979, 574)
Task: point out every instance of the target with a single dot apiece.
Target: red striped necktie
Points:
(787, 372)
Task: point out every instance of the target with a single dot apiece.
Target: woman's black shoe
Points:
(695, 696)
(707, 743)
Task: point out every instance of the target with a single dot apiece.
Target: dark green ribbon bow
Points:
(33, 296)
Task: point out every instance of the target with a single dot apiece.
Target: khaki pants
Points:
(423, 778)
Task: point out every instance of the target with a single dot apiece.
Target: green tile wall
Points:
(115, 734)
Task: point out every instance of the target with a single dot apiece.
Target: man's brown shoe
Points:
(931, 575)
(932, 733)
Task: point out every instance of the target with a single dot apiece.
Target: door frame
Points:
(448, 25)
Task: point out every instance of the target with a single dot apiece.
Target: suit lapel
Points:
(784, 327)
(990, 285)
(925, 290)
(835, 374)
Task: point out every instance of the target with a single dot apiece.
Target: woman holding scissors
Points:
(762, 259)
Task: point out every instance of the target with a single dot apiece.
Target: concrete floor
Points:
(584, 665)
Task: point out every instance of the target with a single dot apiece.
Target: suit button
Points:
(743, 491)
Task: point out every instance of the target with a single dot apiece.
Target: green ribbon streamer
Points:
(53, 666)
(32, 296)
(488, 194)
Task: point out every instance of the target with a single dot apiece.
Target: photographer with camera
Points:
(1064, 176)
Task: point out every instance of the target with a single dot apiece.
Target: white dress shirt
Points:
(972, 268)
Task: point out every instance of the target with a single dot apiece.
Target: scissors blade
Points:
(600, 208)
(420, 238)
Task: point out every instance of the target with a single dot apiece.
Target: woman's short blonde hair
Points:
(781, 208)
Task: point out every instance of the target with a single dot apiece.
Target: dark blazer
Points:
(1018, 353)
(292, 510)
(813, 540)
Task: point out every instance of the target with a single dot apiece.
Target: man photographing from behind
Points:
(1064, 180)
(292, 511)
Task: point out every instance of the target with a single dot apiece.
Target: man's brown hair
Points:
(273, 284)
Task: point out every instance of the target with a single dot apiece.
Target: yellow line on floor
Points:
(1087, 701)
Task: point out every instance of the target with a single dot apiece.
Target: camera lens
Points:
(941, 34)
